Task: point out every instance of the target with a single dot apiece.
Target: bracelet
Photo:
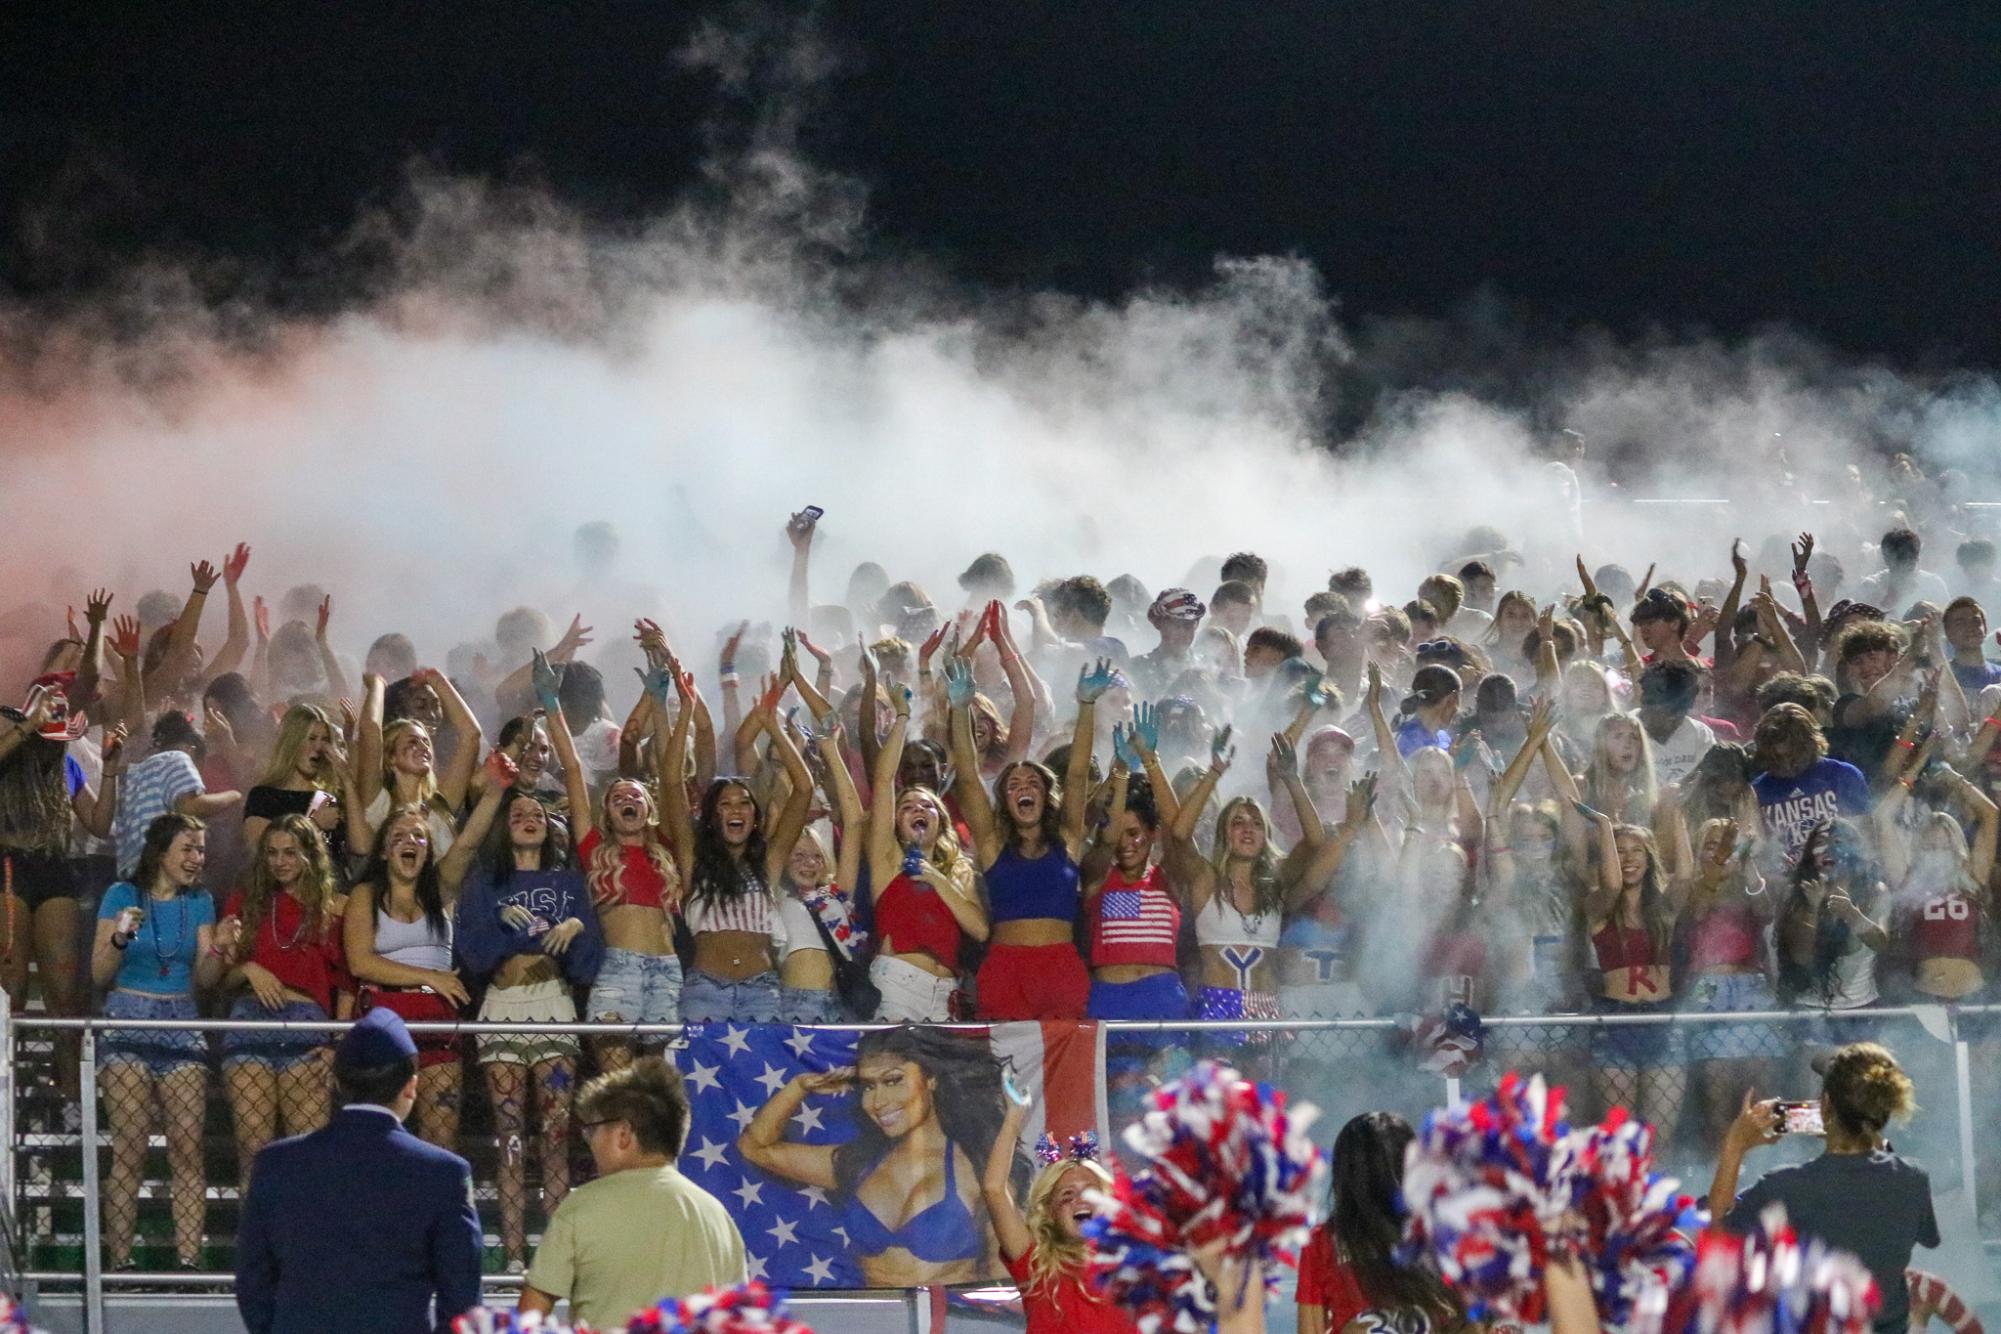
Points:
(731, 680)
(120, 942)
(1907, 745)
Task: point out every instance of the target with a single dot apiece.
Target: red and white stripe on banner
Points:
(1061, 1064)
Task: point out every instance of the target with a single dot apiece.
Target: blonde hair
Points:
(315, 890)
(1056, 1255)
(1266, 894)
(427, 786)
(946, 854)
(1602, 786)
(293, 730)
(826, 860)
(606, 873)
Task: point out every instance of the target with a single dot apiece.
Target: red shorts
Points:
(1033, 982)
(418, 1006)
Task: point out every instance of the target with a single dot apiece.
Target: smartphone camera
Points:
(1800, 1118)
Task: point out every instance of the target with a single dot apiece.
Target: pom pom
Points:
(1078, 1148)
(14, 1320)
(1046, 1151)
(749, 1309)
(1630, 1213)
(486, 1320)
(1227, 1162)
(1489, 1185)
(1765, 1282)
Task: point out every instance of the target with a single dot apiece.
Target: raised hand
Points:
(651, 638)
(543, 677)
(930, 645)
(261, 615)
(1283, 761)
(1123, 748)
(234, 563)
(1802, 553)
(215, 724)
(1094, 681)
(70, 626)
(574, 638)
(204, 575)
(125, 637)
(658, 683)
(1542, 718)
(959, 685)
(1145, 734)
(1375, 683)
(800, 527)
(113, 749)
(1738, 565)
(97, 606)
(500, 770)
(767, 699)
(1221, 752)
(730, 646)
(326, 614)
(820, 655)
(1361, 799)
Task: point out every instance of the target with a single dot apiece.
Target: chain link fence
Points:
(141, 1182)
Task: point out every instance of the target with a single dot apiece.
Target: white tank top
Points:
(1221, 923)
(752, 911)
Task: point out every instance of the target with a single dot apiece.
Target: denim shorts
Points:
(707, 999)
(161, 1051)
(278, 1049)
(797, 1005)
(1634, 1046)
(1728, 993)
(637, 988)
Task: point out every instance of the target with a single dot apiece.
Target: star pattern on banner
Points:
(791, 1231)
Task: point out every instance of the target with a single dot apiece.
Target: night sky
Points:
(1693, 167)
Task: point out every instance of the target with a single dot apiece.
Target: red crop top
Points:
(1947, 926)
(910, 918)
(1630, 948)
(634, 882)
(1137, 922)
(316, 968)
(1724, 937)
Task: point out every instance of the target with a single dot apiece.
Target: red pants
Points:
(1033, 982)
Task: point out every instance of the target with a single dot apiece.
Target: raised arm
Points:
(1282, 777)
(883, 853)
(1803, 585)
(368, 742)
(1603, 894)
(799, 531)
(230, 656)
(1389, 758)
(95, 810)
(452, 867)
(576, 783)
(865, 714)
(1332, 851)
(337, 685)
(671, 755)
(1987, 821)
(180, 654)
(90, 672)
(457, 774)
(732, 703)
(855, 825)
(1221, 753)
(798, 801)
(1092, 683)
(966, 782)
(1010, 1228)
(1542, 719)
(763, 1143)
(1021, 683)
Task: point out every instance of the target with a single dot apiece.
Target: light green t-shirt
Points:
(625, 1241)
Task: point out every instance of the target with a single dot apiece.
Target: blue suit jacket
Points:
(355, 1227)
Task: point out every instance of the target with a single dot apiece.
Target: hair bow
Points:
(1078, 1148)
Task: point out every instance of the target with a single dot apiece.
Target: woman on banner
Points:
(931, 1106)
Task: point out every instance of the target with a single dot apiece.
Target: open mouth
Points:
(1024, 805)
(626, 812)
(409, 859)
(736, 826)
(1080, 1216)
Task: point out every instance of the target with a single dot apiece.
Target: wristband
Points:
(731, 680)
(119, 942)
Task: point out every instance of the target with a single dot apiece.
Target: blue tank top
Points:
(943, 1232)
(1019, 888)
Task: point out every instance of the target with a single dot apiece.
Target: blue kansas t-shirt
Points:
(1794, 807)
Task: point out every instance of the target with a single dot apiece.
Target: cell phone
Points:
(813, 513)
(1800, 1118)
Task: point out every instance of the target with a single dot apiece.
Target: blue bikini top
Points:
(943, 1232)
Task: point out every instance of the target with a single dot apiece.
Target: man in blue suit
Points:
(358, 1226)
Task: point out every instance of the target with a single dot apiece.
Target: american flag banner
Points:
(853, 1159)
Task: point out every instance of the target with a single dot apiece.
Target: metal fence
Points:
(68, 1182)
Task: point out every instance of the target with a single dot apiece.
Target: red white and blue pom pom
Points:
(1765, 1282)
(1489, 1186)
(1081, 1148)
(13, 1320)
(749, 1309)
(1227, 1162)
(1630, 1212)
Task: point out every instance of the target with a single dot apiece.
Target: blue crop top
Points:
(1018, 888)
(945, 1231)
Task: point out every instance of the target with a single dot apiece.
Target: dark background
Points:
(1687, 167)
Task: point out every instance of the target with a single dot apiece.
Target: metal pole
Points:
(1962, 1073)
(93, 1220)
(8, 1191)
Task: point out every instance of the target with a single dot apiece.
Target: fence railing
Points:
(1676, 1069)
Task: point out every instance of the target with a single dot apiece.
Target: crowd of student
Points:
(1524, 790)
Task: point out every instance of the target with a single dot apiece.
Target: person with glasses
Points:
(641, 1231)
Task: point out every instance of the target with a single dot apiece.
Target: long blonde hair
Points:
(1056, 1255)
(427, 786)
(293, 730)
(1267, 894)
(1601, 785)
(606, 873)
(315, 891)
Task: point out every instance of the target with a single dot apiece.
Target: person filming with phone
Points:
(1857, 1196)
